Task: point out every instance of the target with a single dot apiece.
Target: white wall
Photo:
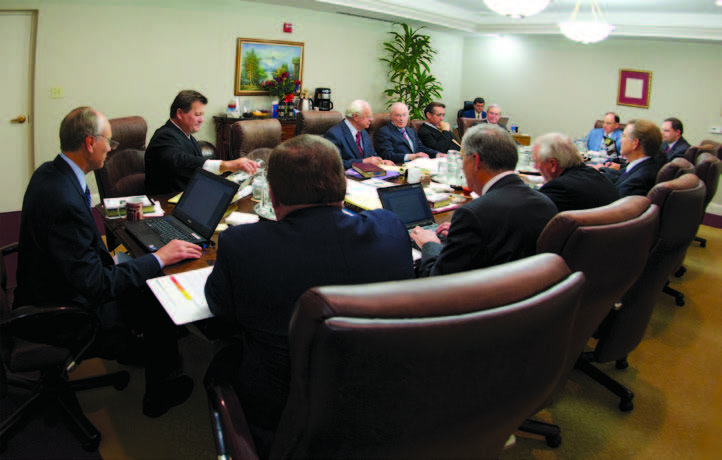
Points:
(549, 83)
(131, 57)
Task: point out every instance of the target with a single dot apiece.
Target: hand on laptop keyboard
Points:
(177, 250)
(421, 237)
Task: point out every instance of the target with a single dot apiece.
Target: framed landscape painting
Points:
(258, 61)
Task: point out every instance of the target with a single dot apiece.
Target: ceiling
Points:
(685, 19)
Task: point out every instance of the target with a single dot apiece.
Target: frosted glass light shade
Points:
(517, 8)
(586, 31)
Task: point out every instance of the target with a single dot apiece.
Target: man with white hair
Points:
(399, 143)
(493, 114)
(570, 183)
(351, 138)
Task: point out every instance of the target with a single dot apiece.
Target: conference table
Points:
(117, 227)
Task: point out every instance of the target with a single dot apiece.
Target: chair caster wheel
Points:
(680, 273)
(622, 364)
(554, 440)
(679, 301)
(626, 405)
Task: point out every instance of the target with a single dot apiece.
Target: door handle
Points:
(19, 120)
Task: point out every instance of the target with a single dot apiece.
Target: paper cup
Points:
(134, 209)
(414, 175)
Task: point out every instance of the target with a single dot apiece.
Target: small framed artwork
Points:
(635, 87)
(258, 61)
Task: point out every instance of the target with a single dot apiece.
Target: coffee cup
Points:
(413, 175)
(134, 208)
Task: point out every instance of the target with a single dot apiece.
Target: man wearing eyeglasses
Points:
(62, 260)
(436, 133)
(173, 154)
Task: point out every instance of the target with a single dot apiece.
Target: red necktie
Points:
(358, 143)
(406, 136)
(667, 149)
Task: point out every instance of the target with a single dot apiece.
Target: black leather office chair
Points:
(413, 369)
(51, 341)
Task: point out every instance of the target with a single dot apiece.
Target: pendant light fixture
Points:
(516, 8)
(587, 31)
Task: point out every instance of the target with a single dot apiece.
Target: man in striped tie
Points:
(399, 142)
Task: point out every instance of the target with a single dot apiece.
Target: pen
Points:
(180, 288)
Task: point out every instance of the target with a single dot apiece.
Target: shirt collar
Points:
(635, 163)
(181, 129)
(351, 127)
(494, 180)
(76, 169)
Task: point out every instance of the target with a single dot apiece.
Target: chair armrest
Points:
(230, 430)
(57, 325)
(4, 252)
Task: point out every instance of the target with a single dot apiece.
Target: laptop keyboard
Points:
(167, 231)
(431, 227)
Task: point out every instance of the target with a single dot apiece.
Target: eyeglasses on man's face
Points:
(112, 142)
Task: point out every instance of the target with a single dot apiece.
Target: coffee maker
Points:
(322, 99)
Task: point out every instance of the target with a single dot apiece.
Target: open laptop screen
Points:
(204, 201)
(408, 202)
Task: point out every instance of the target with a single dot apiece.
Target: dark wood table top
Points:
(117, 227)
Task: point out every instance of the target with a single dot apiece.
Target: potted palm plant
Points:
(408, 57)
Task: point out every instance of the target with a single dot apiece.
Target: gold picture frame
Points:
(258, 61)
(635, 88)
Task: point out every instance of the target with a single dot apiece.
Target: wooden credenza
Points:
(223, 133)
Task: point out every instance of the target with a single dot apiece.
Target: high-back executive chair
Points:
(123, 173)
(708, 168)
(610, 245)
(681, 205)
(412, 369)
(51, 341)
(674, 169)
(316, 122)
(468, 105)
(248, 135)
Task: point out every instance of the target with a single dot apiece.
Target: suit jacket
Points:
(261, 269)
(62, 257)
(498, 124)
(498, 227)
(639, 181)
(441, 141)
(341, 137)
(170, 160)
(594, 139)
(393, 146)
(472, 114)
(678, 149)
(580, 187)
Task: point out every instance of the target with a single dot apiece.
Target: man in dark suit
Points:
(674, 145)
(493, 115)
(641, 140)
(263, 268)
(501, 225)
(478, 110)
(62, 258)
(435, 133)
(173, 153)
(570, 183)
(351, 138)
(398, 142)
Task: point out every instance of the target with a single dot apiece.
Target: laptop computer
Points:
(408, 201)
(194, 218)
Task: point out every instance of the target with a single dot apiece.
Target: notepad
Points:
(183, 295)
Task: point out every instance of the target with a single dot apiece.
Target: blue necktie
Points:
(87, 196)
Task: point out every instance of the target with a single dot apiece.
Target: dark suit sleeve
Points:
(71, 243)
(441, 141)
(420, 145)
(219, 286)
(559, 194)
(385, 145)
(463, 247)
(335, 135)
(169, 163)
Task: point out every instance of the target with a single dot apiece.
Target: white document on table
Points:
(183, 295)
